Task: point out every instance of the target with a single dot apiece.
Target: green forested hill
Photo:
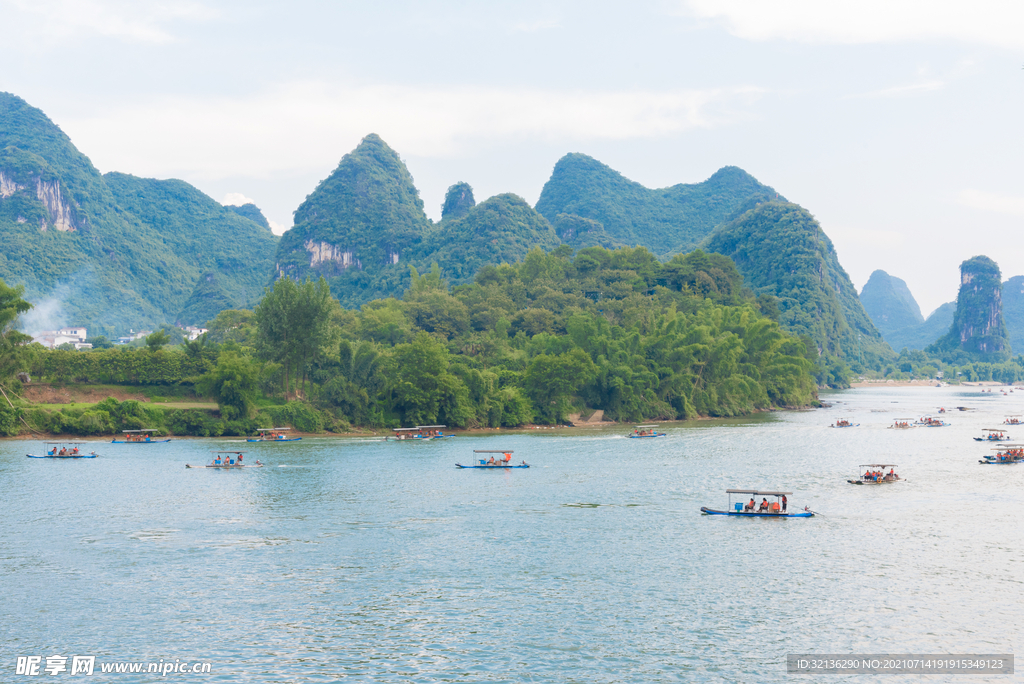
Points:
(666, 220)
(978, 332)
(1013, 312)
(500, 230)
(781, 251)
(69, 239)
(233, 254)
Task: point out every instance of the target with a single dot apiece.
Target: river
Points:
(355, 558)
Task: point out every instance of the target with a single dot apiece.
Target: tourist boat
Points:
(774, 509)
(62, 450)
(227, 459)
(1007, 454)
(993, 435)
(1012, 420)
(642, 431)
(273, 435)
(928, 421)
(842, 422)
(138, 437)
(504, 462)
(902, 424)
(420, 432)
(877, 477)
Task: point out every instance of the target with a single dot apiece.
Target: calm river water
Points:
(374, 561)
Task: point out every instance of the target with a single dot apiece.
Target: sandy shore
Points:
(921, 383)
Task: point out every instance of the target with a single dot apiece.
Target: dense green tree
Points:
(234, 384)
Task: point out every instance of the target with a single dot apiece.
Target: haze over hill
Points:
(117, 251)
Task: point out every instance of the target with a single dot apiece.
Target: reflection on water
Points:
(381, 561)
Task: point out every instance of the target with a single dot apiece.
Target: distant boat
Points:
(139, 437)
(902, 424)
(928, 421)
(228, 460)
(62, 450)
(993, 435)
(1013, 420)
(877, 477)
(644, 431)
(762, 510)
(504, 461)
(420, 432)
(274, 435)
(843, 423)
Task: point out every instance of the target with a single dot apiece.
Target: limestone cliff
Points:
(978, 331)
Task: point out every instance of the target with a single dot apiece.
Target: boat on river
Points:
(993, 435)
(876, 475)
(776, 509)
(63, 450)
(273, 435)
(842, 422)
(929, 421)
(504, 461)
(420, 432)
(229, 460)
(902, 424)
(139, 437)
(644, 431)
(1008, 454)
(1013, 420)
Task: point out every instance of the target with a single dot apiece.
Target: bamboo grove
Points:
(531, 342)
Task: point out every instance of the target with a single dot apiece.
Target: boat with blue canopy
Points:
(644, 431)
(139, 437)
(504, 461)
(228, 460)
(63, 450)
(274, 435)
(766, 509)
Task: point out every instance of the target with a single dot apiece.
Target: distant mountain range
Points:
(120, 251)
(892, 307)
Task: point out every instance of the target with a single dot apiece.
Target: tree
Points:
(156, 341)
(11, 341)
(234, 384)
(293, 325)
(551, 380)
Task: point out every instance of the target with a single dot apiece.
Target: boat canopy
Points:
(878, 465)
(228, 452)
(1002, 447)
(757, 491)
(425, 427)
(272, 429)
(647, 426)
(492, 451)
(63, 443)
(137, 431)
(994, 429)
(405, 429)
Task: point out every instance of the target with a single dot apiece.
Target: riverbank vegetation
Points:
(523, 343)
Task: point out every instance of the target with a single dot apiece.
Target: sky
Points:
(896, 122)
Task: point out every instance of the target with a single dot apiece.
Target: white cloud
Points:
(989, 22)
(143, 21)
(236, 199)
(992, 202)
(276, 228)
(309, 125)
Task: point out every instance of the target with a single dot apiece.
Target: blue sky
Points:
(896, 123)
